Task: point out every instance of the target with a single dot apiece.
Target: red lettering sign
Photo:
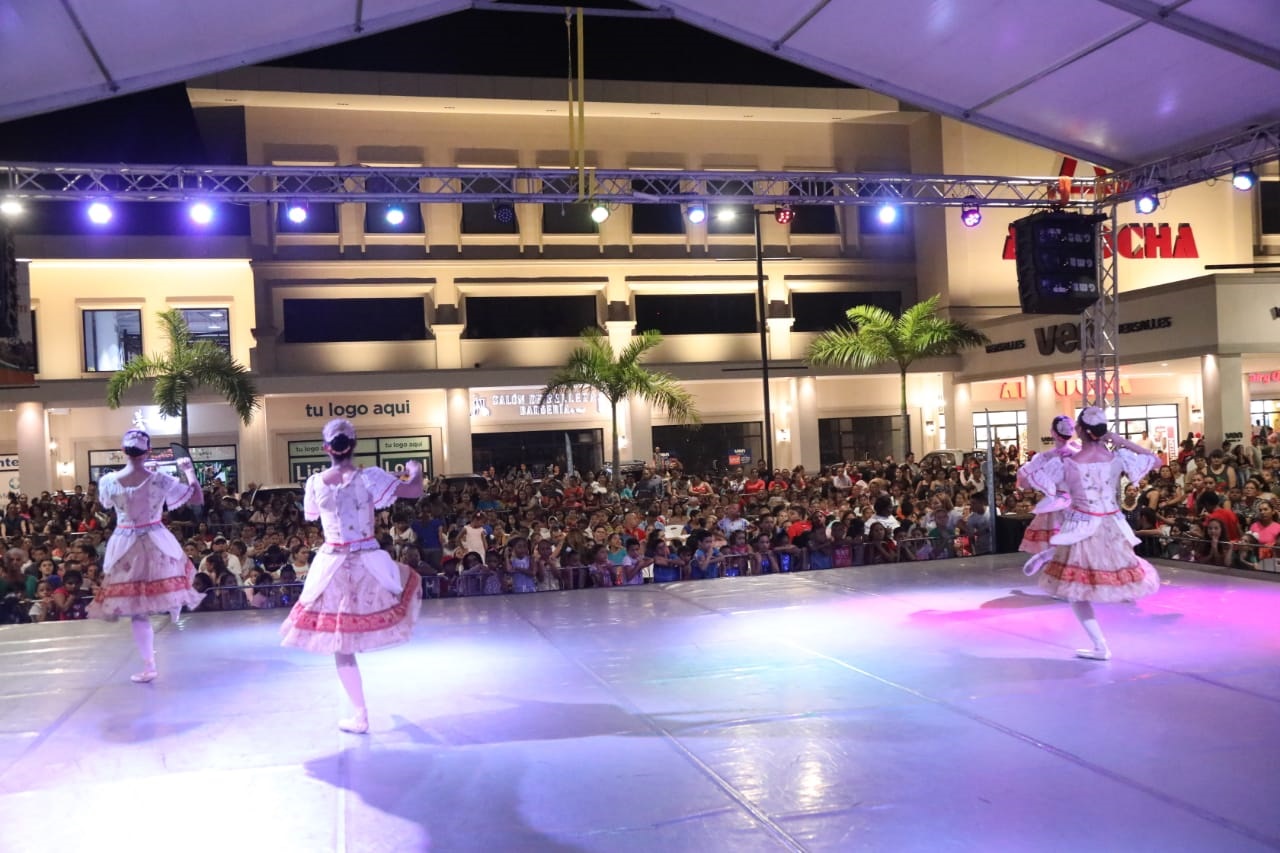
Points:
(1273, 376)
(1138, 241)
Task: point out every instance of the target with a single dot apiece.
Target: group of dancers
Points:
(356, 598)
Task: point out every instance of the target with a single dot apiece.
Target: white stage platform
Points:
(917, 707)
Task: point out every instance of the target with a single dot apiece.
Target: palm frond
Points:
(138, 369)
(176, 329)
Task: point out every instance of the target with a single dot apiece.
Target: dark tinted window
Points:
(568, 219)
(1270, 192)
(814, 218)
(657, 218)
(327, 320)
(818, 312)
(488, 217)
(209, 324)
(727, 217)
(529, 316)
(697, 313)
(392, 217)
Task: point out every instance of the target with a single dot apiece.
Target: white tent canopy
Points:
(1117, 82)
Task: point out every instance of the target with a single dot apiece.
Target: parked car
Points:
(953, 458)
(289, 492)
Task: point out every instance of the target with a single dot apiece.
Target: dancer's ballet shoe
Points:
(357, 724)
(174, 615)
(145, 677)
(1094, 654)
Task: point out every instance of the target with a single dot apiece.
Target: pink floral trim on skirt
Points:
(338, 621)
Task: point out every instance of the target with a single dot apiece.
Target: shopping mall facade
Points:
(478, 313)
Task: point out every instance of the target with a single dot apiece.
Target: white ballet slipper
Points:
(1094, 654)
(356, 724)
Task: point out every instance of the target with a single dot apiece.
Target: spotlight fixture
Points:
(971, 214)
(599, 213)
(726, 214)
(784, 214)
(1244, 178)
(10, 207)
(504, 212)
(296, 212)
(394, 216)
(696, 213)
(1147, 203)
(887, 214)
(99, 213)
(201, 213)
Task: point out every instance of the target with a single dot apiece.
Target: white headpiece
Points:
(137, 439)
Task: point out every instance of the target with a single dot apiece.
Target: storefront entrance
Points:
(713, 448)
(850, 439)
(579, 449)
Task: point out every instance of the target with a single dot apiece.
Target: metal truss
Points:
(1252, 148)
(258, 184)
(1100, 326)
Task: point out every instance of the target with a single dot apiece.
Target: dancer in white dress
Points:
(1093, 558)
(1049, 511)
(356, 598)
(145, 570)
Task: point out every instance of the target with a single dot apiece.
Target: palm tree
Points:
(188, 365)
(594, 365)
(876, 337)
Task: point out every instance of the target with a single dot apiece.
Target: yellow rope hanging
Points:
(582, 114)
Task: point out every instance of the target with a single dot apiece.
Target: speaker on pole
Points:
(1057, 261)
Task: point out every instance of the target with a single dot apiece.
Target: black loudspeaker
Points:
(1057, 262)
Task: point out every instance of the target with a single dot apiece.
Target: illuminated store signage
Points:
(507, 403)
(1264, 377)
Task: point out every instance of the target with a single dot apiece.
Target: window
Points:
(321, 217)
(724, 313)
(484, 217)
(1265, 412)
(1006, 428)
(657, 218)
(855, 439)
(814, 218)
(111, 338)
(332, 320)
(209, 324)
(730, 218)
(497, 317)
(1269, 191)
(819, 312)
(380, 217)
(568, 219)
(1159, 422)
(710, 446)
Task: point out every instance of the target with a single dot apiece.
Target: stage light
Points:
(296, 213)
(504, 212)
(696, 213)
(1147, 203)
(10, 207)
(99, 213)
(394, 216)
(200, 213)
(726, 214)
(970, 215)
(1244, 178)
(599, 213)
(887, 214)
(784, 214)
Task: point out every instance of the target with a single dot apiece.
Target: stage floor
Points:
(917, 707)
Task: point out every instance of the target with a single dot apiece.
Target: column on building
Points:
(256, 464)
(457, 432)
(639, 429)
(1042, 408)
(1226, 414)
(447, 327)
(804, 428)
(34, 457)
(959, 413)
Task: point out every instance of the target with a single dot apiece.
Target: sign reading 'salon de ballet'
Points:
(500, 403)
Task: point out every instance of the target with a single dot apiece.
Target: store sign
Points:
(1006, 346)
(390, 454)
(1061, 388)
(1139, 241)
(1146, 325)
(508, 403)
(1060, 337)
(740, 456)
(9, 476)
(1264, 377)
(351, 411)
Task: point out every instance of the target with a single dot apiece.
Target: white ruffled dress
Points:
(145, 569)
(356, 598)
(1092, 557)
(1048, 518)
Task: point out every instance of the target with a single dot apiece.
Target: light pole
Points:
(762, 307)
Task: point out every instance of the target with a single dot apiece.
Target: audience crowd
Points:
(516, 532)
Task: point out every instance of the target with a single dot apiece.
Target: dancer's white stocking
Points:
(1084, 612)
(349, 675)
(144, 637)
